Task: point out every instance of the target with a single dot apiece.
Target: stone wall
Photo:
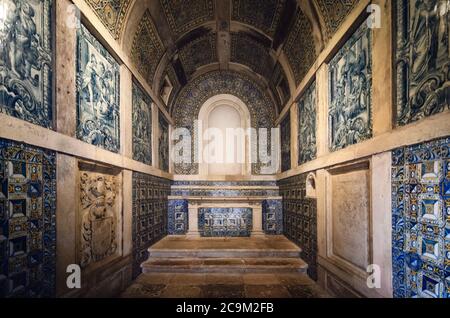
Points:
(68, 150)
(367, 113)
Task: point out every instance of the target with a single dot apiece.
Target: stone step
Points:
(224, 253)
(224, 265)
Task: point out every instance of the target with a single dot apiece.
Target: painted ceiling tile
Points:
(300, 48)
(249, 52)
(147, 48)
(261, 14)
(112, 14)
(201, 51)
(334, 13)
(184, 15)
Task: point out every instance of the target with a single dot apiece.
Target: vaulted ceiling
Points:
(273, 42)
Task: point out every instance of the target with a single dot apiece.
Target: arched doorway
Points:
(224, 149)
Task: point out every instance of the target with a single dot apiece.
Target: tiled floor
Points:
(161, 285)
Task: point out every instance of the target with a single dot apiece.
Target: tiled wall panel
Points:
(27, 221)
(300, 219)
(149, 215)
(421, 220)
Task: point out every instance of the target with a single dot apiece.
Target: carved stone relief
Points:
(99, 214)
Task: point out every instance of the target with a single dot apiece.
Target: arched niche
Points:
(216, 115)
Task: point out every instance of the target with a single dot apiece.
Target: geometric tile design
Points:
(421, 220)
(98, 101)
(26, 63)
(247, 51)
(163, 143)
(142, 125)
(225, 222)
(334, 13)
(184, 15)
(178, 217)
(147, 48)
(190, 99)
(199, 52)
(307, 112)
(261, 14)
(300, 219)
(149, 222)
(285, 132)
(299, 47)
(211, 189)
(27, 221)
(272, 217)
(422, 59)
(111, 13)
(350, 91)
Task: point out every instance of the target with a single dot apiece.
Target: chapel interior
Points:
(224, 148)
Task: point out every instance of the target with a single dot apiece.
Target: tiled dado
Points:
(300, 219)
(421, 220)
(149, 215)
(27, 220)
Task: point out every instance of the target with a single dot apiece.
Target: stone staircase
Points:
(274, 254)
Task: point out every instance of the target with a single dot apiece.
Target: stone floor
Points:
(218, 285)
